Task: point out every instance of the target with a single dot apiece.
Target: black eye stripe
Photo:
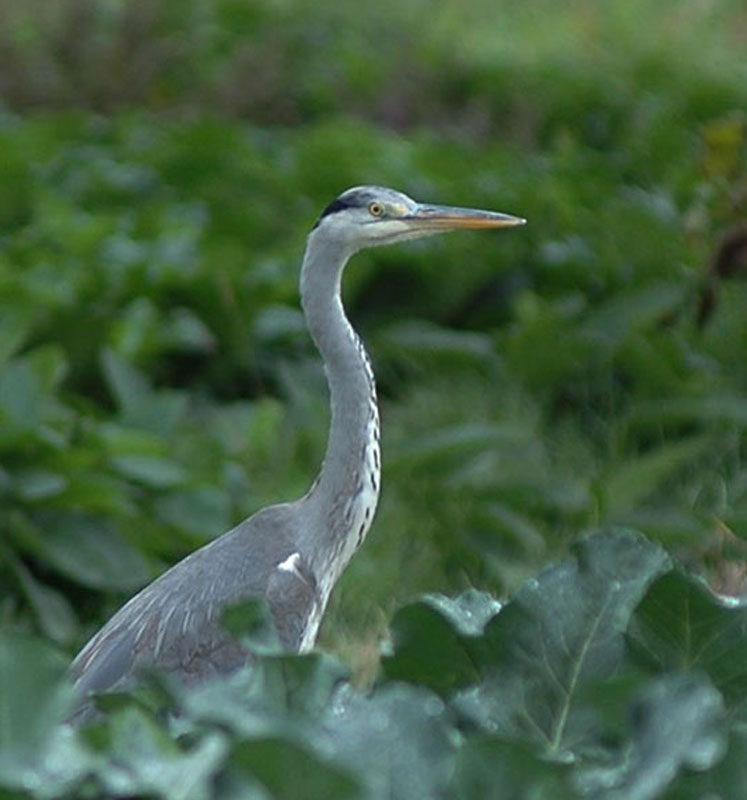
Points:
(359, 199)
(334, 206)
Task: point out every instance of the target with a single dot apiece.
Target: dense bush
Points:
(160, 164)
(633, 687)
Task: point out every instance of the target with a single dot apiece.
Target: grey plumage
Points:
(291, 554)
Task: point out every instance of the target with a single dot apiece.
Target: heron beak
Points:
(450, 218)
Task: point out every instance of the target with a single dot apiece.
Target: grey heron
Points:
(290, 554)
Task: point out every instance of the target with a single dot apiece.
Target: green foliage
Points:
(580, 686)
(157, 385)
(540, 654)
(680, 628)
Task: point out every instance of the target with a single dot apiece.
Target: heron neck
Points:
(342, 501)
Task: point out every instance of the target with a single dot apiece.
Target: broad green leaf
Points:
(53, 611)
(676, 725)
(204, 510)
(15, 325)
(50, 365)
(186, 331)
(681, 625)
(100, 493)
(132, 333)
(562, 634)
(39, 484)
(278, 322)
(130, 388)
(21, 399)
(274, 693)
(289, 771)
(139, 405)
(144, 760)
(400, 741)
(223, 703)
(491, 768)
(123, 440)
(89, 550)
(32, 703)
(427, 638)
(727, 779)
(299, 686)
(153, 471)
(428, 651)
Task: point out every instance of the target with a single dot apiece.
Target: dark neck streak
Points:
(330, 540)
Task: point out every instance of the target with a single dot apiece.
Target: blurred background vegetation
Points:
(160, 164)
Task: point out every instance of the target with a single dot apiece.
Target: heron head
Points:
(366, 216)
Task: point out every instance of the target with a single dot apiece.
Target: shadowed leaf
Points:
(428, 651)
(561, 634)
(400, 741)
(32, 705)
(289, 771)
(490, 768)
(146, 761)
(676, 724)
(87, 549)
(681, 625)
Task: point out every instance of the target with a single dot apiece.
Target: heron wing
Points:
(294, 599)
(174, 622)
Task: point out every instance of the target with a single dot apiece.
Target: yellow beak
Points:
(447, 218)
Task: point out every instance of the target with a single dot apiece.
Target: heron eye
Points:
(376, 209)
